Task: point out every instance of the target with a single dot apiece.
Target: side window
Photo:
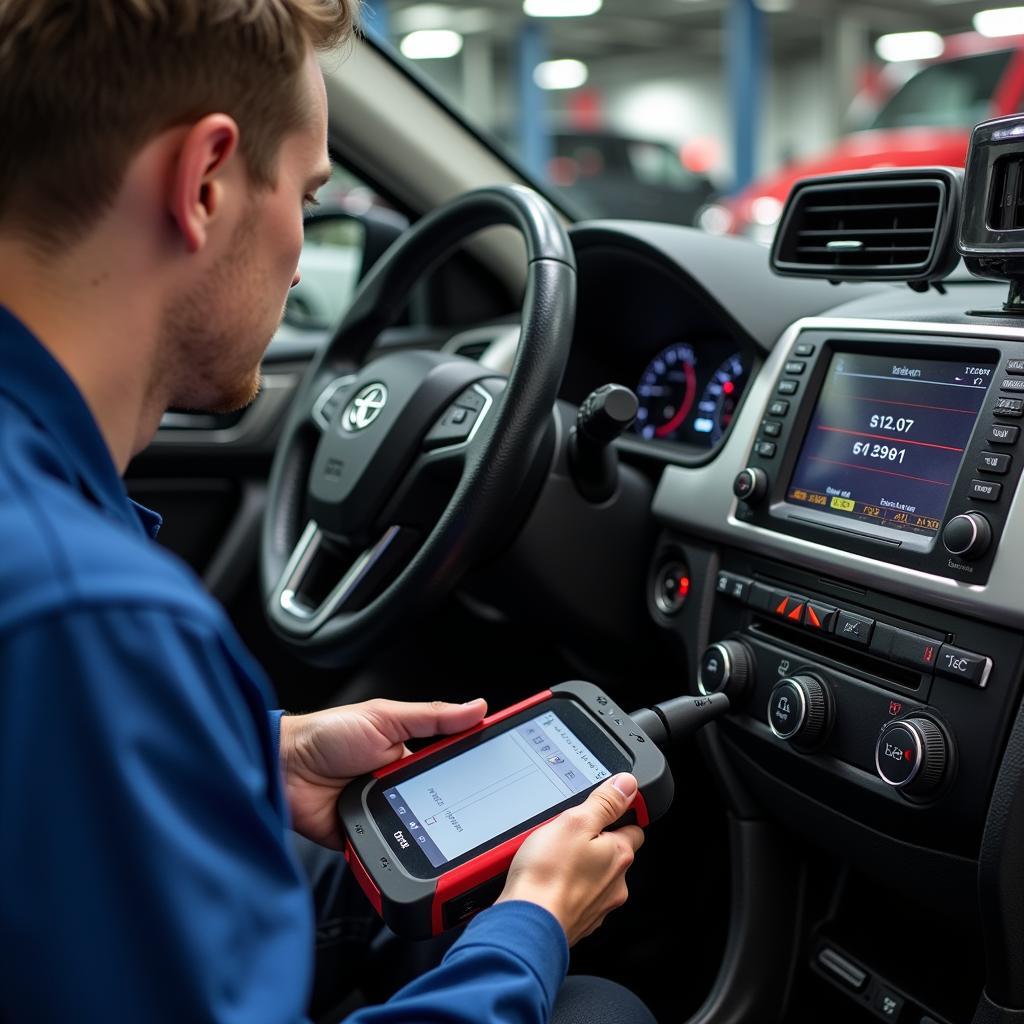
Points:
(340, 243)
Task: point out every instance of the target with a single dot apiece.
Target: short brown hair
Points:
(84, 84)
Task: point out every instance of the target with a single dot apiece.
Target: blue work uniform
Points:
(145, 871)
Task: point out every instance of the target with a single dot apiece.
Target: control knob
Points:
(912, 754)
(750, 485)
(800, 710)
(726, 667)
(967, 535)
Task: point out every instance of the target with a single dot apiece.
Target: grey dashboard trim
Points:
(699, 500)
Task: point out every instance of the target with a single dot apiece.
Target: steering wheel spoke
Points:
(324, 578)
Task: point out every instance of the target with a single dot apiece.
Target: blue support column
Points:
(377, 20)
(534, 142)
(745, 64)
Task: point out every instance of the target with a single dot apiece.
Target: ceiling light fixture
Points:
(899, 46)
(561, 8)
(431, 44)
(560, 74)
(1000, 21)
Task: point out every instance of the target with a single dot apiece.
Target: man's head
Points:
(174, 136)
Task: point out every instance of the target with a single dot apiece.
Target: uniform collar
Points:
(34, 380)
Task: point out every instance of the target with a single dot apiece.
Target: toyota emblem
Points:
(365, 407)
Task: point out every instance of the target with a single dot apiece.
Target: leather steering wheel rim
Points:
(496, 461)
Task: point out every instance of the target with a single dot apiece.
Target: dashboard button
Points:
(1015, 366)
(790, 607)
(766, 449)
(819, 617)
(771, 428)
(799, 710)
(726, 667)
(854, 628)
(672, 587)
(789, 387)
(840, 967)
(805, 348)
(1003, 433)
(956, 663)
(763, 597)
(995, 462)
(795, 367)
(778, 408)
(1011, 384)
(731, 585)
(888, 1005)
(985, 490)
(915, 651)
(1012, 407)
(751, 484)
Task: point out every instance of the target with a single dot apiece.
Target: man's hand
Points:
(573, 868)
(322, 752)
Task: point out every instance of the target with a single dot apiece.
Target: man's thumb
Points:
(610, 800)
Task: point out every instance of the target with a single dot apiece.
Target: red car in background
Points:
(927, 121)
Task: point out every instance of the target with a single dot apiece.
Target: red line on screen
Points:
(910, 405)
(885, 472)
(898, 440)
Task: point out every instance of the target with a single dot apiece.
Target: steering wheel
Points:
(387, 482)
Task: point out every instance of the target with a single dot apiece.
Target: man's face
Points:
(213, 337)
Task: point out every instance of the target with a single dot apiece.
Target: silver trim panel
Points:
(326, 395)
(699, 499)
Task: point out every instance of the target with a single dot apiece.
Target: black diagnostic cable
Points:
(679, 718)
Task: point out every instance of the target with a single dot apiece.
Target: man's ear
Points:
(198, 180)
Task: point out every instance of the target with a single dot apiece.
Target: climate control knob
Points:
(726, 667)
(967, 535)
(799, 710)
(912, 754)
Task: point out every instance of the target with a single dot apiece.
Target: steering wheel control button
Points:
(771, 428)
(788, 386)
(671, 587)
(778, 408)
(805, 349)
(956, 663)
(855, 629)
(995, 462)
(731, 585)
(750, 485)
(911, 754)
(968, 535)
(795, 367)
(470, 399)
(798, 710)
(1003, 433)
(725, 667)
(984, 490)
(1012, 408)
(765, 449)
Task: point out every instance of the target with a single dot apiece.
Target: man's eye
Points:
(309, 204)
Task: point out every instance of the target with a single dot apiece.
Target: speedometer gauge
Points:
(667, 391)
(719, 399)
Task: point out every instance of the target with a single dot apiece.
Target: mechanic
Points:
(156, 157)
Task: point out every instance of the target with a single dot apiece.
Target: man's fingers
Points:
(404, 720)
(632, 834)
(608, 802)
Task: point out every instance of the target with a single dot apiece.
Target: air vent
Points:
(874, 226)
(474, 349)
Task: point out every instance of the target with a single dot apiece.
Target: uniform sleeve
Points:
(144, 873)
(505, 969)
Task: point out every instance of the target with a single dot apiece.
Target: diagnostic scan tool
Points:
(430, 837)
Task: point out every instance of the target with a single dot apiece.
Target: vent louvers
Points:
(878, 226)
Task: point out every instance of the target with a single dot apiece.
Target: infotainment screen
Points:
(887, 438)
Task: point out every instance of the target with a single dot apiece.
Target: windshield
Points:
(957, 93)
